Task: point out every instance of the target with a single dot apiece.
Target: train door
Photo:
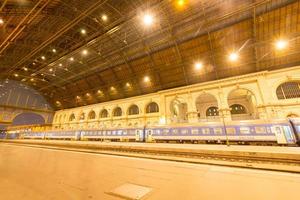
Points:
(148, 135)
(139, 135)
(283, 134)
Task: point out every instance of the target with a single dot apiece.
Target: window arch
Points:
(212, 111)
(117, 112)
(104, 113)
(92, 115)
(288, 90)
(82, 116)
(237, 109)
(133, 110)
(72, 117)
(152, 108)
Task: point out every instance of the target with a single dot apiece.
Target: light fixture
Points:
(128, 84)
(43, 57)
(112, 88)
(71, 59)
(50, 70)
(146, 79)
(54, 50)
(88, 94)
(1, 21)
(281, 44)
(60, 64)
(198, 65)
(180, 3)
(233, 56)
(104, 17)
(77, 97)
(31, 79)
(83, 31)
(25, 69)
(16, 75)
(148, 19)
(99, 91)
(84, 52)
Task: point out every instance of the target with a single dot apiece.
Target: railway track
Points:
(240, 159)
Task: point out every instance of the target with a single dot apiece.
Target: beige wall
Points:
(262, 104)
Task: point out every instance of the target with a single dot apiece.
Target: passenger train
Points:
(243, 132)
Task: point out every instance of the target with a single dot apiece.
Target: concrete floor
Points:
(43, 174)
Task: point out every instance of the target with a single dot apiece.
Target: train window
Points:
(230, 130)
(218, 130)
(195, 131)
(165, 131)
(124, 132)
(205, 131)
(114, 132)
(260, 130)
(119, 132)
(108, 132)
(184, 131)
(175, 131)
(244, 130)
(157, 131)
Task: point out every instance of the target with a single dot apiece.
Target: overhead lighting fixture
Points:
(180, 3)
(43, 57)
(71, 59)
(104, 17)
(16, 75)
(83, 31)
(233, 56)
(112, 88)
(25, 69)
(60, 64)
(1, 21)
(148, 19)
(31, 79)
(281, 44)
(198, 65)
(128, 84)
(84, 52)
(50, 70)
(146, 79)
(54, 50)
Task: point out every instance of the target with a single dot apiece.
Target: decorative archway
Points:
(178, 108)
(242, 103)
(28, 119)
(207, 107)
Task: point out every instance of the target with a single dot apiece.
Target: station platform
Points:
(280, 158)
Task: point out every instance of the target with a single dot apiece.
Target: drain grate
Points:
(131, 191)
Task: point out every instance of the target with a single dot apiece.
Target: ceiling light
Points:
(128, 84)
(25, 69)
(104, 17)
(50, 70)
(60, 64)
(180, 2)
(54, 50)
(146, 79)
(198, 65)
(43, 57)
(77, 97)
(233, 56)
(148, 19)
(31, 79)
(83, 31)
(88, 94)
(16, 75)
(71, 59)
(281, 44)
(85, 52)
(1, 21)
(112, 88)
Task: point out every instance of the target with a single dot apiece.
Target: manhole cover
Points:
(131, 191)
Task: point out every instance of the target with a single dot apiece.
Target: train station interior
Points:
(149, 99)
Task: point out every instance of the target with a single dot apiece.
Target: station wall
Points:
(264, 95)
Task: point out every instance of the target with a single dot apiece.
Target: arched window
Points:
(72, 117)
(152, 108)
(92, 115)
(117, 112)
(133, 110)
(104, 113)
(288, 90)
(212, 111)
(82, 116)
(237, 109)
